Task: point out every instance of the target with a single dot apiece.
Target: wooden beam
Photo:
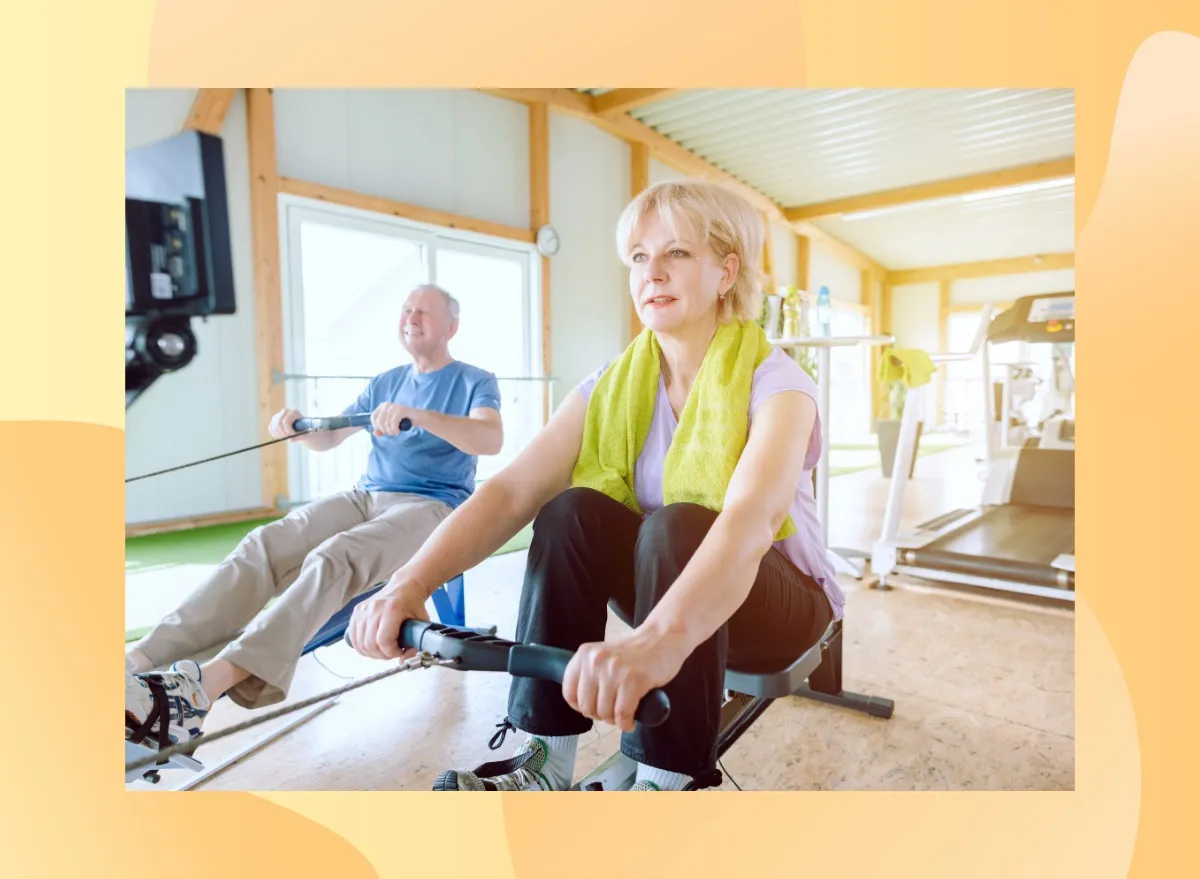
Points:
(539, 215)
(268, 294)
(376, 204)
(1017, 266)
(209, 109)
(620, 101)
(937, 189)
(639, 180)
(563, 100)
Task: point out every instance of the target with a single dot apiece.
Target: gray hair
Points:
(451, 302)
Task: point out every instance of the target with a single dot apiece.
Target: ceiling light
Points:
(1036, 186)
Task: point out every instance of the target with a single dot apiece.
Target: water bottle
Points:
(824, 310)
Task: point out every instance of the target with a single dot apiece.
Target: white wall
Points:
(590, 180)
(783, 255)
(458, 151)
(208, 407)
(843, 280)
(660, 173)
(916, 310)
(1006, 288)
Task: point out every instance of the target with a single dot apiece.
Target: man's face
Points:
(425, 322)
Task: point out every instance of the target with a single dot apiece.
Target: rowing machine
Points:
(437, 644)
(338, 422)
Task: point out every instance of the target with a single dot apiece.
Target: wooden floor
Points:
(983, 685)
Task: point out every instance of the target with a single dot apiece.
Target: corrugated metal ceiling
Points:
(801, 146)
(810, 145)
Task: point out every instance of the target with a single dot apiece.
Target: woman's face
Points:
(675, 282)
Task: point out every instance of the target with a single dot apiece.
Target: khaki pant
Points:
(313, 562)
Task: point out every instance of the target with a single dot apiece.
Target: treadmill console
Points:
(1048, 317)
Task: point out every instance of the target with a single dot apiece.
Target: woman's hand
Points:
(375, 624)
(606, 680)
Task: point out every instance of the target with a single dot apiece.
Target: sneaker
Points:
(522, 771)
(645, 785)
(177, 694)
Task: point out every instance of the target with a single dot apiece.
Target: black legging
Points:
(588, 548)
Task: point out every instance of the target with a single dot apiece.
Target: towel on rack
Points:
(912, 366)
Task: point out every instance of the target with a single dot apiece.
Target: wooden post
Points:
(885, 328)
(268, 295)
(943, 345)
(768, 255)
(803, 253)
(539, 215)
(873, 299)
(639, 180)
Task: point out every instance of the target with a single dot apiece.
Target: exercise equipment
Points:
(1021, 538)
(178, 256)
(841, 558)
(437, 645)
(749, 691)
(449, 602)
(302, 426)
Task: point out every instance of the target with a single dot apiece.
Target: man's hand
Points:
(606, 680)
(282, 423)
(387, 417)
(375, 624)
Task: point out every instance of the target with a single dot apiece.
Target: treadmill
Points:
(1021, 538)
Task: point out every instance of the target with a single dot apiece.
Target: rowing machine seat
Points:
(450, 602)
(816, 674)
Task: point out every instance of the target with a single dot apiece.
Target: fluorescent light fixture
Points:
(981, 195)
(1018, 189)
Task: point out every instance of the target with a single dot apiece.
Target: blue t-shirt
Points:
(416, 461)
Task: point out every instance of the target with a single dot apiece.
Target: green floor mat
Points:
(195, 546)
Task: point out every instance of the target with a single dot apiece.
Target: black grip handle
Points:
(475, 650)
(550, 664)
(482, 651)
(337, 422)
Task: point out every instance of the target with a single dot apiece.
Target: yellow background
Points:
(1136, 71)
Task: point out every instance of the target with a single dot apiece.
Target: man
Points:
(319, 557)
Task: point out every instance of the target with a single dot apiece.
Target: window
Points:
(346, 275)
(849, 379)
(964, 399)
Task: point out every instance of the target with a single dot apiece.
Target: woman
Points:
(676, 482)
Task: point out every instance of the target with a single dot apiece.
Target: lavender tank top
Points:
(805, 549)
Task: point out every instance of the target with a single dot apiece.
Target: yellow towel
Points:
(712, 431)
(909, 365)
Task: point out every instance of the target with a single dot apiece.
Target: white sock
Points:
(661, 778)
(560, 759)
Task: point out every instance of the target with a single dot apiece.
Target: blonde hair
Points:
(725, 220)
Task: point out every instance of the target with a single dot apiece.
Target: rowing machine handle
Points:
(338, 422)
(550, 664)
(480, 651)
